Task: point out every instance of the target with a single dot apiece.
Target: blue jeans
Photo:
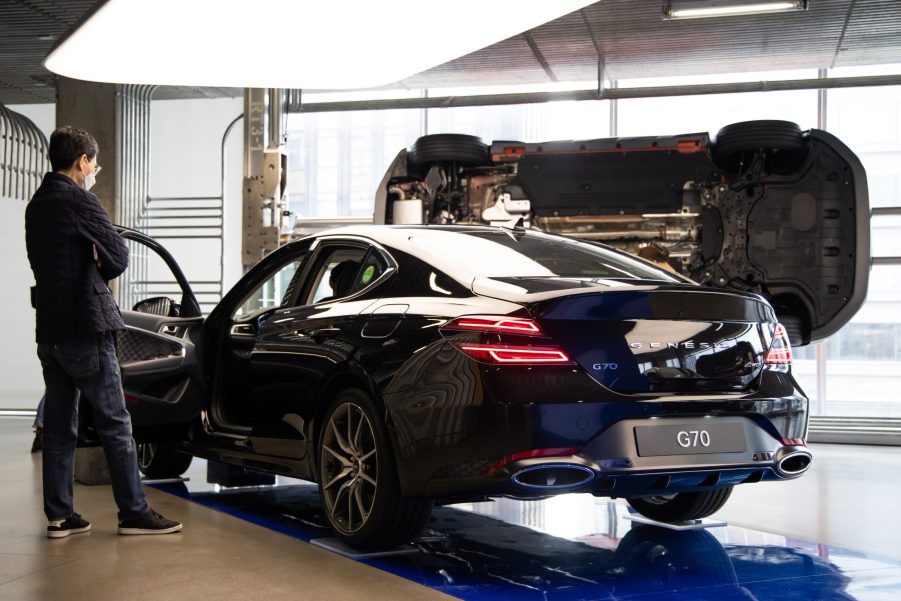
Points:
(89, 365)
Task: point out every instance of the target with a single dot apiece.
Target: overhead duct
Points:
(23, 155)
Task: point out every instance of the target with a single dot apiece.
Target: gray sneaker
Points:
(71, 525)
(149, 523)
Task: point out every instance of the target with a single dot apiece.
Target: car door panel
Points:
(297, 350)
(299, 347)
(158, 356)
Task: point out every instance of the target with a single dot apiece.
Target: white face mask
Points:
(91, 178)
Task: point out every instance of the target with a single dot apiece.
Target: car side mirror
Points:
(158, 305)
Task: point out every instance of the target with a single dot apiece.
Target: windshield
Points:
(497, 253)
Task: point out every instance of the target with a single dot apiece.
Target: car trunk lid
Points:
(670, 339)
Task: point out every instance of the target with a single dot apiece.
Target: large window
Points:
(688, 114)
(337, 160)
(863, 361)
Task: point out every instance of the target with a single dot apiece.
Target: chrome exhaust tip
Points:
(792, 461)
(553, 476)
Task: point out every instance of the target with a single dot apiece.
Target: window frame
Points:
(322, 248)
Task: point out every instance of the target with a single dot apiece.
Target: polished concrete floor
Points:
(848, 501)
(217, 556)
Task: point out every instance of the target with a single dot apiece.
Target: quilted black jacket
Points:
(63, 223)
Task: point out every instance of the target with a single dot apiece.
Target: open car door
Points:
(158, 354)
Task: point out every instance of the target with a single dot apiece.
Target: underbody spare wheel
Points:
(158, 460)
(681, 507)
(464, 150)
(736, 145)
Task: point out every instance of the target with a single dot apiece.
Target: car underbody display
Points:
(762, 207)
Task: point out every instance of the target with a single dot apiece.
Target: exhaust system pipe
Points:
(553, 476)
(792, 461)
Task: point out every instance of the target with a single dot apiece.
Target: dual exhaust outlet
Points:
(792, 461)
(789, 462)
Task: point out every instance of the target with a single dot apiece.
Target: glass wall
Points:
(689, 114)
(336, 161)
(863, 360)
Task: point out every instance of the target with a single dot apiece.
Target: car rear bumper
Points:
(610, 465)
(558, 475)
(455, 428)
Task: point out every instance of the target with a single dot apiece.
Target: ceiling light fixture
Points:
(341, 44)
(697, 9)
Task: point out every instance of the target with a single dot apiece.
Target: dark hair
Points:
(655, 252)
(67, 144)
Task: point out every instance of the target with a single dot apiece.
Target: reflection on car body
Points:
(422, 376)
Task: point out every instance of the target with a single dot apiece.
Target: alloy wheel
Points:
(659, 499)
(349, 467)
(146, 453)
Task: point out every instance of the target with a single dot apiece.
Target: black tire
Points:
(465, 151)
(356, 464)
(735, 145)
(682, 506)
(157, 460)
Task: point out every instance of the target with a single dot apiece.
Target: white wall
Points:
(21, 383)
(186, 138)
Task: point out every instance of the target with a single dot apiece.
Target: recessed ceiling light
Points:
(340, 44)
(696, 9)
(46, 38)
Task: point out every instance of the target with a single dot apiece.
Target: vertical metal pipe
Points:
(123, 280)
(4, 135)
(275, 117)
(6, 158)
(614, 113)
(821, 101)
(820, 349)
(222, 212)
(18, 159)
(145, 176)
(32, 165)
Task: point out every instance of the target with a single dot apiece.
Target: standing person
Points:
(74, 251)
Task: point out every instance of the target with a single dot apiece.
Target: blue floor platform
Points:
(577, 547)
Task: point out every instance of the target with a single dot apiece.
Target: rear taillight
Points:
(531, 454)
(500, 353)
(780, 352)
(490, 323)
(794, 442)
(499, 339)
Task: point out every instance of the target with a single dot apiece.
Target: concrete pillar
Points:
(118, 116)
(92, 107)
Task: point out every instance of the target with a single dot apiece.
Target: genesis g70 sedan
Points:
(399, 366)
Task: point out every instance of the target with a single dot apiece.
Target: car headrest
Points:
(342, 277)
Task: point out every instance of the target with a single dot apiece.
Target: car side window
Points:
(275, 291)
(374, 265)
(336, 274)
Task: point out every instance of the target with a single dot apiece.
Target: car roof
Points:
(409, 239)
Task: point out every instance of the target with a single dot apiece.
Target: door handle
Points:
(243, 330)
(324, 333)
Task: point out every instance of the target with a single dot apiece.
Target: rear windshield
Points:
(494, 253)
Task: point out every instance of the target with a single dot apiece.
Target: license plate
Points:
(690, 439)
